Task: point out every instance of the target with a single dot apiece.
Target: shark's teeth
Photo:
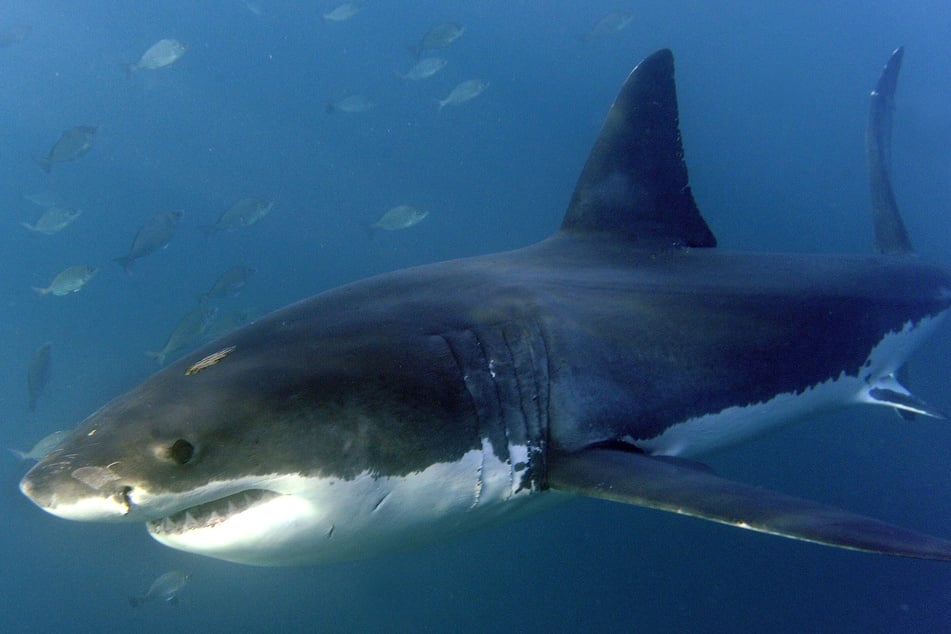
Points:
(209, 514)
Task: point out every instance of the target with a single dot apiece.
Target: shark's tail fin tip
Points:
(891, 237)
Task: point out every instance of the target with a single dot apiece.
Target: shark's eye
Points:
(181, 451)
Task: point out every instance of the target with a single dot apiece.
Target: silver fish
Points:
(399, 217)
(38, 372)
(72, 144)
(424, 68)
(188, 333)
(70, 280)
(440, 36)
(54, 220)
(229, 283)
(610, 23)
(45, 446)
(464, 92)
(160, 54)
(243, 213)
(342, 12)
(155, 234)
(352, 103)
(165, 588)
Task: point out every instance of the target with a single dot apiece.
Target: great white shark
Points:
(601, 361)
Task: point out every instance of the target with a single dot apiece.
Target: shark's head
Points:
(266, 449)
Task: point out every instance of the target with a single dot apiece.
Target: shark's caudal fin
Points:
(635, 181)
(663, 484)
(890, 235)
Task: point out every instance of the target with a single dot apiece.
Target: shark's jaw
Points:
(254, 526)
(318, 519)
(211, 514)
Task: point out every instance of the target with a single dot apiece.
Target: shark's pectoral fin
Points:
(642, 480)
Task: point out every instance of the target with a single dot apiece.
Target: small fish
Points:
(38, 373)
(189, 332)
(243, 213)
(155, 234)
(610, 23)
(438, 37)
(424, 68)
(44, 447)
(165, 588)
(230, 283)
(399, 217)
(343, 12)
(353, 103)
(464, 92)
(70, 280)
(72, 144)
(54, 220)
(159, 55)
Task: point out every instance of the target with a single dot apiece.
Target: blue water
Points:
(773, 104)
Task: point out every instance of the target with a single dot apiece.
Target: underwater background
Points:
(773, 102)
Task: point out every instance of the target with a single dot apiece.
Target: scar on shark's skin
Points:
(425, 402)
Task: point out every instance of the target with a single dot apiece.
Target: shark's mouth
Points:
(209, 514)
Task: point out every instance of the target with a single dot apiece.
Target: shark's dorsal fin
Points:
(891, 238)
(635, 181)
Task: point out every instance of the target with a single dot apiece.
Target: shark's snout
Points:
(86, 493)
